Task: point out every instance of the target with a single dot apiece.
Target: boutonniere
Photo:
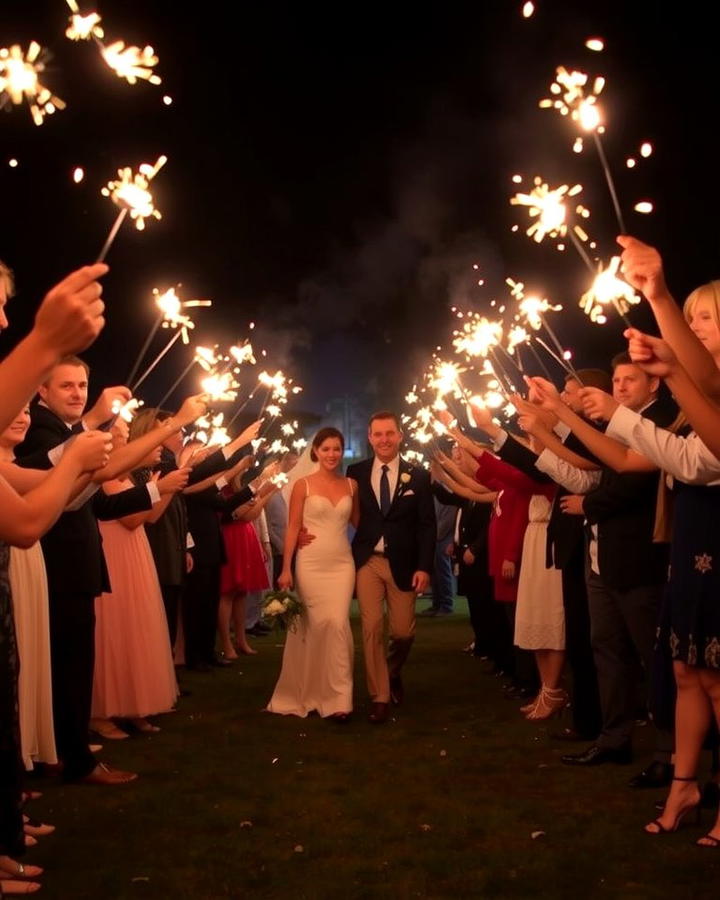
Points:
(405, 477)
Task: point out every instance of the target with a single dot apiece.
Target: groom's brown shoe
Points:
(379, 713)
(397, 691)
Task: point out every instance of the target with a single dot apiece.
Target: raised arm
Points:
(614, 454)
(68, 320)
(657, 358)
(643, 268)
(25, 519)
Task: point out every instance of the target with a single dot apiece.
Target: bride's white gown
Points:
(318, 656)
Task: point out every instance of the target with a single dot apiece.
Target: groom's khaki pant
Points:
(375, 584)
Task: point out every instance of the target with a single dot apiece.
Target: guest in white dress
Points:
(28, 583)
(318, 656)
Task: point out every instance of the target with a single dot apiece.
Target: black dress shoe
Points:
(397, 690)
(259, 629)
(597, 756)
(570, 735)
(379, 713)
(656, 775)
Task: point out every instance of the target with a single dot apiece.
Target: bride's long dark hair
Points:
(322, 436)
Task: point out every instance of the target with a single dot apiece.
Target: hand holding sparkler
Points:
(71, 315)
(174, 481)
(107, 406)
(545, 392)
(652, 354)
(597, 405)
(248, 435)
(90, 449)
(643, 268)
(193, 407)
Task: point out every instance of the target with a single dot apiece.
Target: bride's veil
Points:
(304, 467)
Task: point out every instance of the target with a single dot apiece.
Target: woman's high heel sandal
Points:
(659, 828)
(550, 702)
(530, 706)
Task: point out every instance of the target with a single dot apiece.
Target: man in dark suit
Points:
(626, 573)
(394, 549)
(75, 566)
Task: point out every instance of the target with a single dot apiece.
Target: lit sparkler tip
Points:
(20, 80)
(528, 9)
(131, 63)
(596, 44)
(646, 149)
(644, 207)
(130, 191)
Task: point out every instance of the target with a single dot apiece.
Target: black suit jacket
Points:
(204, 511)
(473, 536)
(168, 536)
(623, 508)
(565, 534)
(73, 546)
(409, 528)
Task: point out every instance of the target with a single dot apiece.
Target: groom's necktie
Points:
(384, 491)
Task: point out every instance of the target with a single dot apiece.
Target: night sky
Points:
(335, 171)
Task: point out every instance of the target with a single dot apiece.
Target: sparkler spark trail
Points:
(127, 410)
(571, 98)
(608, 288)
(548, 206)
(533, 310)
(171, 306)
(131, 63)
(220, 387)
(130, 193)
(20, 80)
(83, 27)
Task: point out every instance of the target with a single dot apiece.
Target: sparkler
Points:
(131, 63)
(127, 410)
(481, 337)
(130, 192)
(608, 288)
(20, 80)
(533, 309)
(83, 27)
(571, 98)
(155, 362)
(548, 206)
(220, 387)
(204, 357)
(170, 315)
(127, 61)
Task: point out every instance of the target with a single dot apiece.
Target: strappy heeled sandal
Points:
(693, 807)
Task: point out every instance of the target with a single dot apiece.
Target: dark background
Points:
(335, 170)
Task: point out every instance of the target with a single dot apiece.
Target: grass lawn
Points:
(440, 802)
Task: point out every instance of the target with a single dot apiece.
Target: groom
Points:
(394, 549)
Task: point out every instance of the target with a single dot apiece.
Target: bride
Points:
(317, 661)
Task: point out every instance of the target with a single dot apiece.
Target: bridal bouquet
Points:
(282, 608)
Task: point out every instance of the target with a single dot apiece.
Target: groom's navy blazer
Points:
(408, 528)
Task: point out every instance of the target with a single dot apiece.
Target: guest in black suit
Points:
(470, 551)
(394, 549)
(205, 506)
(75, 563)
(168, 537)
(626, 573)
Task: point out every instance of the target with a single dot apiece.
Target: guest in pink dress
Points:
(134, 669)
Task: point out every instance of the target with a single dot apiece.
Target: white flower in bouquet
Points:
(275, 608)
